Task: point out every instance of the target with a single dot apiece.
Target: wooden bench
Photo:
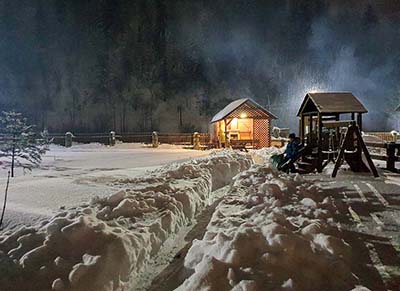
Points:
(244, 144)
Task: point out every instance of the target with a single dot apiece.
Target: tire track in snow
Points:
(376, 219)
(352, 212)
(377, 262)
(377, 194)
(360, 192)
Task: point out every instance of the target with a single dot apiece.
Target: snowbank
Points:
(104, 244)
(272, 232)
(263, 155)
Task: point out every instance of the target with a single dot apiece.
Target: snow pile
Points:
(272, 232)
(104, 244)
(263, 155)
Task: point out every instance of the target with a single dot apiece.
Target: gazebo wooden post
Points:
(218, 131)
(301, 130)
(227, 142)
(337, 118)
(319, 166)
(310, 117)
(359, 121)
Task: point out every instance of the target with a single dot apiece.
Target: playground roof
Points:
(332, 102)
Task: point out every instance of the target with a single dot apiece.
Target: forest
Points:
(143, 65)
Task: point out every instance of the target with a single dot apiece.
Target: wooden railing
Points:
(391, 155)
(133, 137)
(384, 136)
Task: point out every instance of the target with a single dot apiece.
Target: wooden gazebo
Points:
(242, 123)
(330, 129)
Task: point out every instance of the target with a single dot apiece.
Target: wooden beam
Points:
(340, 157)
(302, 128)
(310, 113)
(335, 124)
(310, 121)
(319, 166)
(376, 145)
(366, 153)
(391, 157)
(227, 141)
(359, 121)
(337, 129)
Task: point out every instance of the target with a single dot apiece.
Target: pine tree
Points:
(20, 142)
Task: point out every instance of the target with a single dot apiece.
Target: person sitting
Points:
(291, 153)
(292, 148)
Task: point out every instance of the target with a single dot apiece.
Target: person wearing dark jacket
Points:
(292, 151)
(292, 148)
(281, 161)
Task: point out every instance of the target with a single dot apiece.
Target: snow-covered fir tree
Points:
(20, 142)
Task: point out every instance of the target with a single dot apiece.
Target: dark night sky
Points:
(139, 65)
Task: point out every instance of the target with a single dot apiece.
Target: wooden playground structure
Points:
(330, 131)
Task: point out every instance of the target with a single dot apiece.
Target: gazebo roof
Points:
(245, 104)
(332, 102)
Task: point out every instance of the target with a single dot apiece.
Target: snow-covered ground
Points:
(273, 231)
(269, 230)
(105, 244)
(69, 176)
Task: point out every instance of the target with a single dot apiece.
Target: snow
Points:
(69, 176)
(263, 155)
(271, 232)
(105, 244)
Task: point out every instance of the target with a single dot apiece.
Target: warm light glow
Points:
(243, 115)
(234, 123)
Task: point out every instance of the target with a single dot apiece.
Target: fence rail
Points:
(391, 155)
(384, 136)
(133, 137)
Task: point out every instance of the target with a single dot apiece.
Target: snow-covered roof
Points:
(333, 102)
(236, 104)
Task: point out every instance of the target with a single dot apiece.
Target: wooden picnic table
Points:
(244, 144)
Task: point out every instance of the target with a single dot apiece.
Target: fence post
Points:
(68, 139)
(154, 139)
(390, 152)
(196, 140)
(395, 135)
(112, 138)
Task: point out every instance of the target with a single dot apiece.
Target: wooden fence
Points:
(384, 136)
(133, 137)
(391, 153)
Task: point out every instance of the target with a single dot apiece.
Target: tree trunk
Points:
(5, 199)
(13, 158)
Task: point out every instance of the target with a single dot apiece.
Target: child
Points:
(292, 148)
